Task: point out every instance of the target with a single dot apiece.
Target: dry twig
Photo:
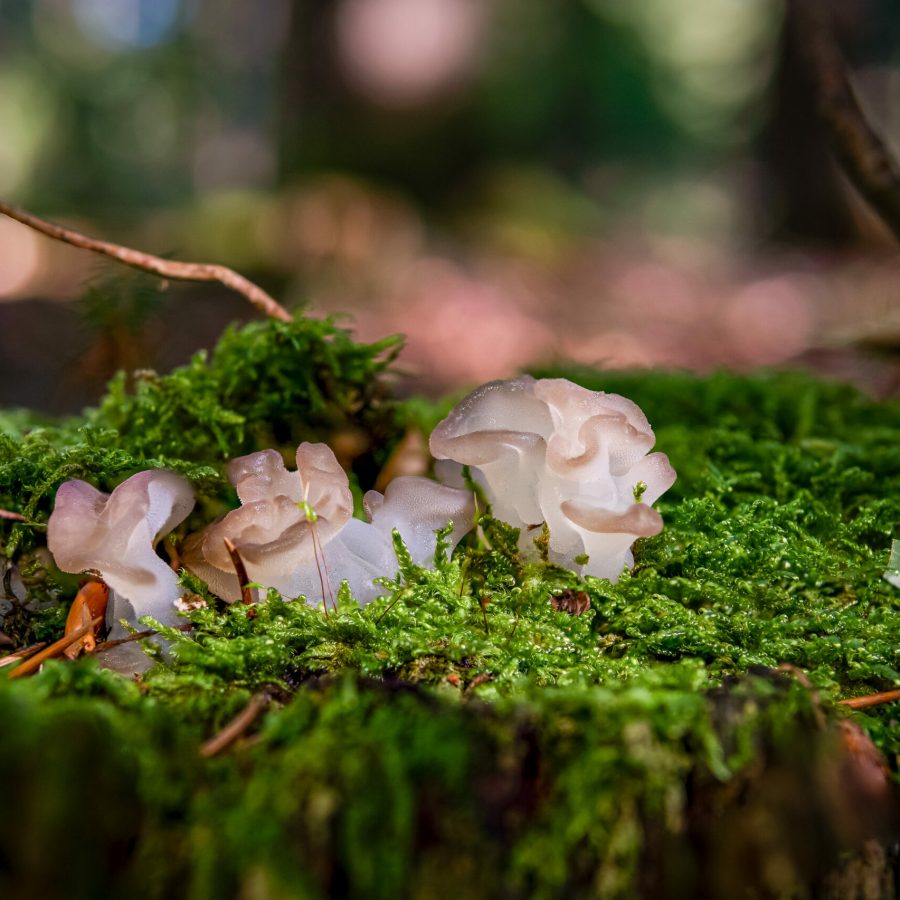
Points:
(19, 655)
(33, 663)
(870, 700)
(247, 593)
(165, 268)
(117, 642)
(237, 726)
(137, 636)
(12, 516)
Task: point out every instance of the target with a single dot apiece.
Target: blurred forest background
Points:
(508, 182)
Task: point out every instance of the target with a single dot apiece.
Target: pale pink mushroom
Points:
(284, 546)
(115, 535)
(552, 452)
(271, 528)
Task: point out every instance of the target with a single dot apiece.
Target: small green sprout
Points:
(638, 491)
(306, 508)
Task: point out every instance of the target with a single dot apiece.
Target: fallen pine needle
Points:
(117, 642)
(14, 516)
(870, 700)
(33, 663)
(137, 636)
(241, 570)
(236, 727)
(19, 655)
(483, 678)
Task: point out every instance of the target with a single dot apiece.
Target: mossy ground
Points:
(458, 736)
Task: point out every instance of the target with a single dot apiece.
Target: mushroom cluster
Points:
(550, 452)
(295, 530)
(547, 453)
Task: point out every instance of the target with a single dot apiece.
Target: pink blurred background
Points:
(617, 185)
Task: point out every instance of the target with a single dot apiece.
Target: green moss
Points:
(459, 736)
(268, 384)
(365, 789)
(773, 552)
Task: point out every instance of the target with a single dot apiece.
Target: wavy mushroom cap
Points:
(115, 535)
(271, 530)
(417, 507)
(499, 417)
(502, 429)
(283, 550)
(592, 429)
(550, 451)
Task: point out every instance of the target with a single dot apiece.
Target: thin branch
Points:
(117, 642)
(478, 680)
(165, 268)
(19, 655)
(864, 155)
(137, 636)
(388, 608)
(33, 663)
(237, 726)
(870, 700)
(241, 570)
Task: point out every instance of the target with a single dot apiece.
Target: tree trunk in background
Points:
(804, 198)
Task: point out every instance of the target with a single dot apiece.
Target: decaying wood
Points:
(575, 603)
(146, 262)
(33, 663)
(237, 726)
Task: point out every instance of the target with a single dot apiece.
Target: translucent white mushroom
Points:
(295, 530)
(115, 535)
(550, 451)
(273, 533)
(416, 507)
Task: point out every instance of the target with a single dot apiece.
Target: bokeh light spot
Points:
(122, 24)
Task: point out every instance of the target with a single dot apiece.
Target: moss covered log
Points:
(467, 735)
